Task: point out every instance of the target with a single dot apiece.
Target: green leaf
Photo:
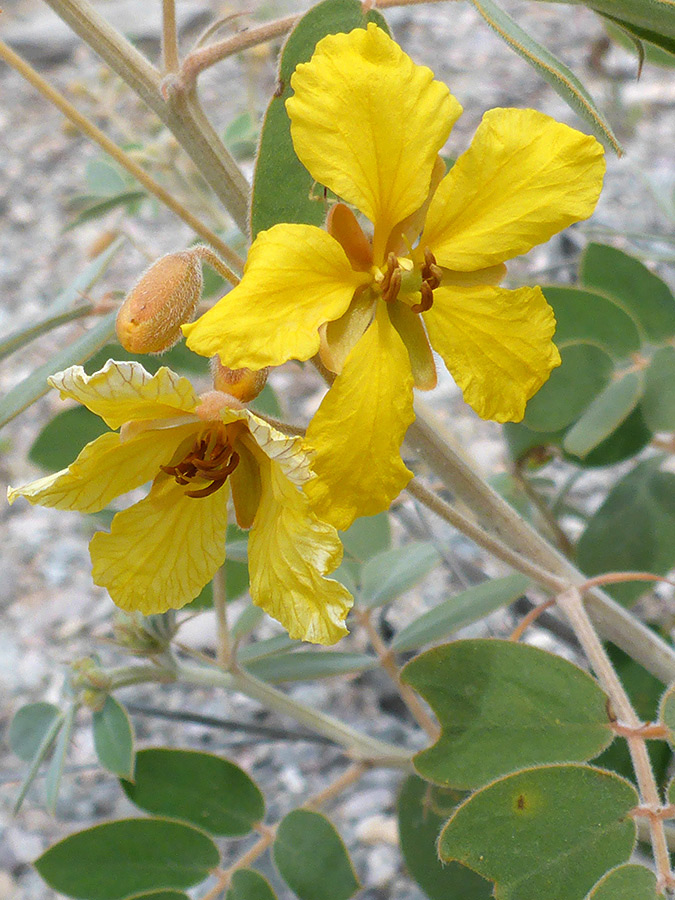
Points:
(249, 885)
(422, 810)
(127, 857)
(608, 411)
(59, 442)
(629, 882)
(283, 190)
(644, 692)
(658, 403)
(658, 49)
(29, 726)
(58, 760)
(667, 716)
(586, 370)
(469, 606)
(503, 706)
(104, 178)
(544, 833)
(160, 895)
(644, 295)
(367, 537)
(35, 386)
(178, 358)
(43, 749)
(628, 439)
(18, 339)
(309, 852)
(114, 738)
(633, 530)
(249, 618)
(550, 68)
(589, 317)
(90, 208)
(657, 16)
(199, 788)
(280, 643)
(306, 665)
(393, 572)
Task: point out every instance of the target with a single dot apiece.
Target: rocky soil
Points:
(50, 612)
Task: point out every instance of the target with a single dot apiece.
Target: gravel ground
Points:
(51, 613)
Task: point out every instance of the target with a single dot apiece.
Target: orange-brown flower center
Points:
(427, 279)
(211, 458)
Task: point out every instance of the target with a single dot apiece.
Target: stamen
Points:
(211, 458)
(427, 299)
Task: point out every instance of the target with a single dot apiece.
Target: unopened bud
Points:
(244, 384)
(133, 637)
(162, 300)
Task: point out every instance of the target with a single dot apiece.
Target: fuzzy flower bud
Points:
(163, 299)
(244, 384)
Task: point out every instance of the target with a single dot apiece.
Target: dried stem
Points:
(572, 605)
(388, 663)
(95, 134)
(170, 61)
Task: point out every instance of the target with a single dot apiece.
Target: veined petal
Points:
(358, 430)
(524, 178)
(497, 345)
(296, 278)
(122, 391)
(288, 451)
(163, 550)
(289, 552)
(368, 123)
(106, 468)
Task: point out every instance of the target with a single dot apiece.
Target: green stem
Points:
(615, 623)
(358, 745)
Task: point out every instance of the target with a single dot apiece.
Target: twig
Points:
(170, 61)
(95, 134)
(531, 617)
(223, 654)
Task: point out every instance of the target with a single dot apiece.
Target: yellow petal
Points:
(106, 468)
(289, 552)
(339, 338)
(296, 278)
(359, 428)
(122, 391)
(496, 344)
(368, 123)
(163, 550)
(524, 178)
(246, 486)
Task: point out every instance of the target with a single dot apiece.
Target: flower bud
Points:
(163, 299)
(244, 384)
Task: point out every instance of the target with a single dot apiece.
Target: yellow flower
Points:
(368, 124)
(161, 551)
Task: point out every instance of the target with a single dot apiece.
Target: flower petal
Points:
(368, 123)
(524, 178)
(496, 344)
(359, 428)
(106, 468)
(122, 391)
(296, 278)
(163, 550)
(289, 552)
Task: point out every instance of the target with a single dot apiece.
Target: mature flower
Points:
(161, 551)
(368, 124)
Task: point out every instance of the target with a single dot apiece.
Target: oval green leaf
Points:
(390, 574)
(367, 537)
(587, 316)
(306, 665)
(29, 727)
(502, 706)
(200, 788)
(658, 403)
(422, 810)
(131, 856)
(58, 760)
(643, 294)
(310, 855)
(249, 885)
(548, 832)
(471, 605)
(608, 411)
(629, 882)
(61, 440)
(114, 738)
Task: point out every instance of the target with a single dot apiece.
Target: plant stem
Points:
(211, 157)
(388, 663)
(614, 622)
(170, 61)
(358, 745)
(223, 656)
(95, 134)
(571, 603)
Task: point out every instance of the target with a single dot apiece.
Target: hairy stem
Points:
(95, 134)
(613, 621)
(572, 605)
(170, 61)
(218, 168)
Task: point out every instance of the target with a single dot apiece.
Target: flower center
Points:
(412, 284)
(211, 458)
